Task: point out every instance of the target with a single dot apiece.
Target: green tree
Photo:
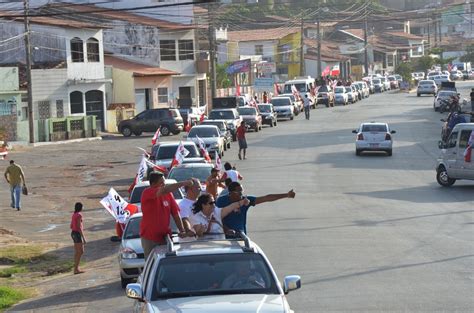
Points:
(223, 80)
(424, 63)
(405, 69)
(469, 56)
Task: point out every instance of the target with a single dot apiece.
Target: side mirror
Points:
(393, 132)
(354, 131)
(441, 145)
(134, 291)
(290, 283)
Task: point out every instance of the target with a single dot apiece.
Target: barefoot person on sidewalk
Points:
(77, 235)
(16, 178)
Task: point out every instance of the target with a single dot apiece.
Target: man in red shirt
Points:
(158, 204)
(241, 138)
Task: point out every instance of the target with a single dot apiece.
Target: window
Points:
(93, 50)
(186, 50)
(162, 95)
(44, 111)
(452, 140)
(59, 108)
(417, 50)
(75, 99)
(389, 60)
(167, 50)
(77, 50)
(259, 49)
(5, 108)
(464, 138)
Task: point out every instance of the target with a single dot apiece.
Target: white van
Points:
(302, 84)
(451, 164)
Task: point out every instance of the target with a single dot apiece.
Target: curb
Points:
(24, 144)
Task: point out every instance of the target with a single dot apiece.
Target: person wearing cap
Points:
(158, 205)
(237, 221)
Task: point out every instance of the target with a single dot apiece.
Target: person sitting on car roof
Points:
(237, 221)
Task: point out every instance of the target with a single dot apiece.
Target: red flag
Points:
(202, 148)
(237, 90)
(201, 118)
(156, 137)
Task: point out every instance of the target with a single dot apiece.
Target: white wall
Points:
(86, 69)
(182, 67)
(50, 85)
(248, 48)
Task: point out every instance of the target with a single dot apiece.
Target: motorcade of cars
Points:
(302, 84)
(443, 95)
(166, 119)
(251, 116)
(393, 82)
(352, 94)
(326, 95)
(224, 131)
(426, 87)
(364, 88)
(386, 83)
(451, 164)
(166, 151)
(231, 116)
(211, 136)
(297, 103)
(210, 275)
(269, 116)
(373, 136)
(378, 86)
(341, 96)
(130, 256)
(283, 107)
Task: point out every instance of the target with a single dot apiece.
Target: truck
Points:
(462, 66)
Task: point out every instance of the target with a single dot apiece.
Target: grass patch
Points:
(9, 272)
(10, 296)
(22, 254)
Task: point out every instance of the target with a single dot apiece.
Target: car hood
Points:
(282, 108)
(223, 303)
(167, 162)
(207, 140)
(134, 244)
(249, 117)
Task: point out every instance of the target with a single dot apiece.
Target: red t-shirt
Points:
(75, 217)
(155, 224)
(240, 132)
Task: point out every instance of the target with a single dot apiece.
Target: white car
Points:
(211, 136)
(386, 83)
(426, 87)
(443, 95)
(374, 137)
(340, 95)
(210, 275)
(455, 75)
(352, 94)
(441, 78)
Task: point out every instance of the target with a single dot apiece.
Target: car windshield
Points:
(183, 173)
(221, 125)
(374, 128)
(247, 111)
(168, 152)
(446, 94)
(323, 89)
(132, 231)
(339, 90)
(292, 97)
(278, 102)
(301, 87)
(221, 115)
(376, 81)
(136, 195)
(203, 132)
(265, 108)
(214, 274)
(426, 82)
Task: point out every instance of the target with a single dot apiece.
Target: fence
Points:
(57, 129)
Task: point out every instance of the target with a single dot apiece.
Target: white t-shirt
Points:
(200, 218)
(186, 208)
(233, 174)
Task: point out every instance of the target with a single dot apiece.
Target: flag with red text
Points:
(180, 154)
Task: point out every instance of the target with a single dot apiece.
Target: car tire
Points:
(225, 147)
(389, 152)
(275, 123)
(418, 95)
(228, 145)
(137, 133)
(124, 281)
(126, 131)
(358, 151)
(443, 178)
(165, 130)
(291, 118)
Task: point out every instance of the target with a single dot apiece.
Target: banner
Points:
(115, 205)
(266, 67)
(242, 66)
(263, 84)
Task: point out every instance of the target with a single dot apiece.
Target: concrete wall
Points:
(122, 89)
(293, 40)
(50, 85)
(9, 80)
(85, 70)
(184, 66)
(153, 83)
(248, 48)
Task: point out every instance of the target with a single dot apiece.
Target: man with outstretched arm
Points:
(237, 221)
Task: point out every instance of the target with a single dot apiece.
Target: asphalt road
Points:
(369, 233)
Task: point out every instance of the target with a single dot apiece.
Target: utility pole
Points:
(26, 5)
(320, 70)
(212, 52)
(366, 55)
(302, 69)
(429, 34)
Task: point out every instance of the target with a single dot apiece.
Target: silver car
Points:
(441, 97)
(374, 137)
(211, 136)
(426, 87)
(210, 275)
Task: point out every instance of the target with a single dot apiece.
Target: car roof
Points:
(204, 126)
(193, 165)
(213, 121)
(374, 123)
(282, 97)
(175, 143)
(146, 183)
(226, 109)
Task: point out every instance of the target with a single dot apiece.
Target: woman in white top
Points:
(207, 218)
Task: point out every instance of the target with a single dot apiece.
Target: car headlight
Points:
(128, 253)
(268, 117)
(215, 145)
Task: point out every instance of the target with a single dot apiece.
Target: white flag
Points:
(218, 162)
(115, 205)
(142, 169)
(181, 153)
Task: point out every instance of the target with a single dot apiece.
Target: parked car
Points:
(232, 275)
(352, 94)
(326, 95)
(283, 107)
(371, 86)
(374, 137)
(167, 120)
(443, 95)
(297, 103)
(224, 131)
(426, 87)
(251, 116)
(341, 96)
(378, 85)
(418, 76)
(269, 116)
(210, 135)
(166, 151)
(231, 116)
(452, 165)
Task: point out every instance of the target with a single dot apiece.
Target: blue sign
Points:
(242, 66)
(263, 84)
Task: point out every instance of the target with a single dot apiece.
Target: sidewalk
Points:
(18, 145)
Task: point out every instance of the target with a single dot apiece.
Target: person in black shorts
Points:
(77, 236)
